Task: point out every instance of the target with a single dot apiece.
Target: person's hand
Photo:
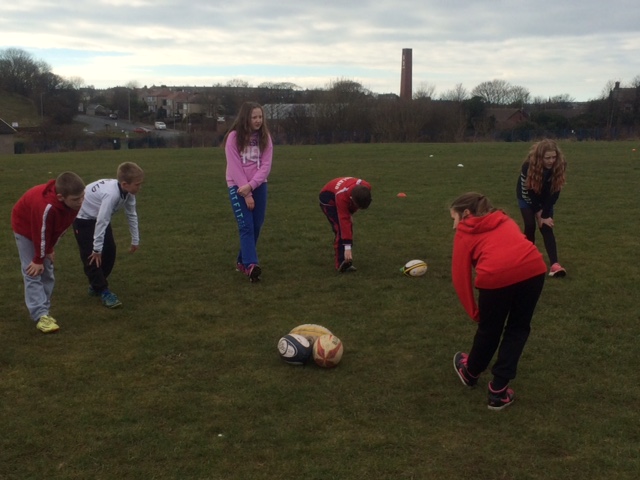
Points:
(52, 256)
(133, 248)
(244, 190)
(539, 218)
(251, 203)
(34, 269)
(547, 221)
(348, 255)
(95, 257)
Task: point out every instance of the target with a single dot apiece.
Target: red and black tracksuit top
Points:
(338, 193)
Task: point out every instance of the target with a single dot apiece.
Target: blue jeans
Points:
(249, 222)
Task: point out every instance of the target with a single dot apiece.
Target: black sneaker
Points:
(254, 271)
(460, 365)
(501, 398)
(346, 266)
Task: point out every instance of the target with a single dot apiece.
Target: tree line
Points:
(345, 111)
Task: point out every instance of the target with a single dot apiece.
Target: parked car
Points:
(141, 130)
(113, 116)
(160, 126)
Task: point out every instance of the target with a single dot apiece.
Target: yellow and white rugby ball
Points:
(414, 268)
(310, 331)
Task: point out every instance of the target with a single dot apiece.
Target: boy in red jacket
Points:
(339, 199)
(38, 220)
(509, 276)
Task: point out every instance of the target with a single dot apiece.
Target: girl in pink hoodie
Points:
(248, 148)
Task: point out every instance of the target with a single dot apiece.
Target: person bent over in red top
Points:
(339, 200)
(41, 216)
(509, 276)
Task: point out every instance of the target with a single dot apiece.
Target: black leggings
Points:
(530, 225)
(505, 323)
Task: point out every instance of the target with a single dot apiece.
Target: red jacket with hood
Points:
(42, 218)
(342, 188)
(499, 252)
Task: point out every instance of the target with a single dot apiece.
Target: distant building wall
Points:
(6, 144)
(7, 137)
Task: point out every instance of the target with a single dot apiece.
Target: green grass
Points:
(184, 382)
(15, 108)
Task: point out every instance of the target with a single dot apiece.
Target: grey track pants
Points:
(37, 290)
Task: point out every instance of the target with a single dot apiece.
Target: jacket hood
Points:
(479, 225)
(51, 196)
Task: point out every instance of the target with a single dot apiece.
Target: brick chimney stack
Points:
(406, 74)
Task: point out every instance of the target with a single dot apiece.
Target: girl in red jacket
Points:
(509, 276)
(339, 200)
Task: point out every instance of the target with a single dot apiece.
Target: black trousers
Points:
(549, 238)
(83, 231)
(505, 323)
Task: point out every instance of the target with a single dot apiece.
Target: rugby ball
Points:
(310, 330)
(295, 349)
(414, 268)
(327, 351)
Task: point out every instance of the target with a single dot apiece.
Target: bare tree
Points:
(20, 73)
(456, 94)
(517, 96)
(424, 90)
(493, 93)
(76, 82)
(238, 83)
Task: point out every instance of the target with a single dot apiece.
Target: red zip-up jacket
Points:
(341, 188)
(42, 218)
(499, 252)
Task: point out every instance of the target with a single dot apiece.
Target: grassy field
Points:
(15, 108)
(185, 382)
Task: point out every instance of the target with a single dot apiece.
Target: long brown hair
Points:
(242, 126)
(476, 203)
(535, 174)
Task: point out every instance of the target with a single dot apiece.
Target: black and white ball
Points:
(295, 349)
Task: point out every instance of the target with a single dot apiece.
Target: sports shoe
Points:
(500, 399)
(241, 268)
(460, 365)
(346, 266)
(92, 293)
(47, 324)
(254, 271)
(556, 270)
(110, 299)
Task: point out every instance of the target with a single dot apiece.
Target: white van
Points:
(160, 126)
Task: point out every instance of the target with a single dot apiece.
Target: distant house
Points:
(628, 99)
(6, 138)
(94, 109)
(506, 118)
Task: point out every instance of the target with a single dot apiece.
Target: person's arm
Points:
(234, 163)
(132, 220)
(547, 204)
(40, 233)
(343, 200)
(461, 273)
(261, 175)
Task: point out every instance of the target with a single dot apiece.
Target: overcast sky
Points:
(550, 47)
